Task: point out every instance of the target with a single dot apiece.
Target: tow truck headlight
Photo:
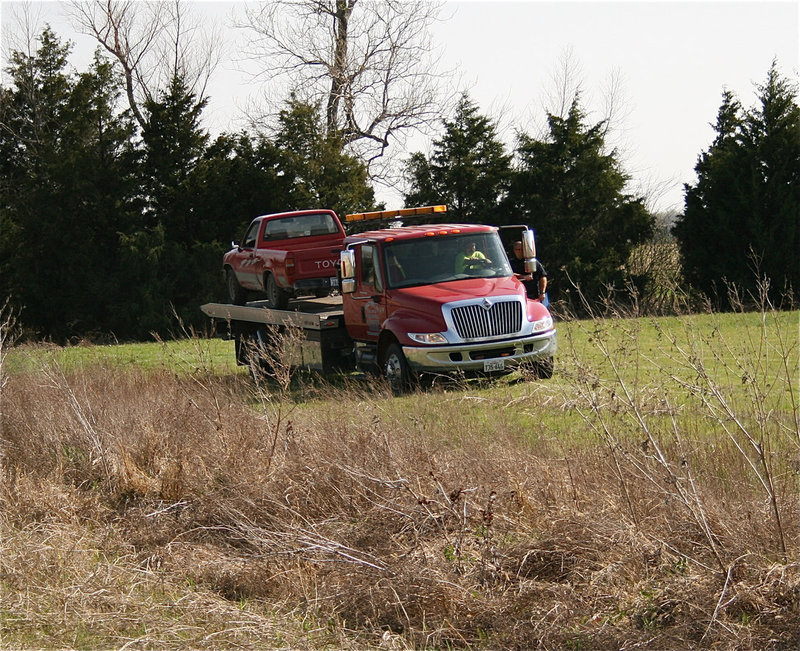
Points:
(543, 324)
(428, 337)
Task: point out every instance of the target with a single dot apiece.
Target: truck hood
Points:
(458, 290)
(419, 309)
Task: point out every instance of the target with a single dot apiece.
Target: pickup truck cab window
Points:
(300, 226)
(249, 240)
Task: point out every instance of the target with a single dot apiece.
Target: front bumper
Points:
(494, 356)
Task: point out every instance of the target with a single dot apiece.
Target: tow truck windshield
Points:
(441, 259)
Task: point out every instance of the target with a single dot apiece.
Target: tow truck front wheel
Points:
(543, 369)
(396, 369)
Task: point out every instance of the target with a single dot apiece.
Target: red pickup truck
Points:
(285, 255)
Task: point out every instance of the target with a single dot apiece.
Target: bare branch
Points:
(152, 42)
(20, 33)
(370, 64)
(567, 82)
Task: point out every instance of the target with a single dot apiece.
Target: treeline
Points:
(112, 226)
(109, 228)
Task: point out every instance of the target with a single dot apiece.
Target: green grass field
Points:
(180, 356)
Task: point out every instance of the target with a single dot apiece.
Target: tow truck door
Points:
(365, 309)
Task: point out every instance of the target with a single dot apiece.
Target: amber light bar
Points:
(394, 214)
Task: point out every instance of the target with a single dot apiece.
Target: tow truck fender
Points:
(401, 323)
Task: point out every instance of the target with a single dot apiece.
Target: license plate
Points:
(334, 281)
(494, 365)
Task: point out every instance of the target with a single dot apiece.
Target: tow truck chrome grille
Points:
(476, 321)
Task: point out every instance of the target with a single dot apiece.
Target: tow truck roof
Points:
(407, 224)
(418, 231)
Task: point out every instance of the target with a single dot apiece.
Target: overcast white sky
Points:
(673, 60)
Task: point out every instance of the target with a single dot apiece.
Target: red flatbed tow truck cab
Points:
(440, 298)
(424, 299)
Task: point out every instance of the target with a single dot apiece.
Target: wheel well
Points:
(265, 278)
(384, 341)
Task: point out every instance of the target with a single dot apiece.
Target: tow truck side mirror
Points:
(347, 259)
(529, 250)
(528, 244)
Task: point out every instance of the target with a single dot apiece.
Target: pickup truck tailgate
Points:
(316, 262)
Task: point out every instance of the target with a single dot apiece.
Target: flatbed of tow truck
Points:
(325, 345)
(308, 313)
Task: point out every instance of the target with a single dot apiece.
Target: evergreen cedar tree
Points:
(565, 186)
(469, 170)
(573, 191)
(741, 221)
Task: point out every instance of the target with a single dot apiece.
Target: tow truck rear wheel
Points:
(276, 297)
(396, 369)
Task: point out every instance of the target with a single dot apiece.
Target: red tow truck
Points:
(415, 300)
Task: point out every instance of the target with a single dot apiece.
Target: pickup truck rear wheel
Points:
(236, 293)
(396, 369)
(277, 298)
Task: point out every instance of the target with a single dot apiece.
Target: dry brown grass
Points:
(149, 510)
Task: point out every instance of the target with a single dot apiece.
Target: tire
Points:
(543, 369)
(396, 370)
(277, 298)
(236, 293)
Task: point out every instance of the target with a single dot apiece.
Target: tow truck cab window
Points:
(369, 272)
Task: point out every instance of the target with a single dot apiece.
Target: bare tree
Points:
(367, 62)
(19, 31)
(152, 41)
(567, 83)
